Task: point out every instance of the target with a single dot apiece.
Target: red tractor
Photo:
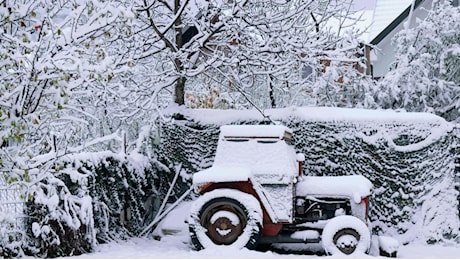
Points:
(255, 195)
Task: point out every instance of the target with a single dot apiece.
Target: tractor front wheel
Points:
(346, 235)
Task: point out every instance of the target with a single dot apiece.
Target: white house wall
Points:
(384, 54)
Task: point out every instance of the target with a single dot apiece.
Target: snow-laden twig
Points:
(240, 90)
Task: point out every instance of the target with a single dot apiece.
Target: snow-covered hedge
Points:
(88, 198)
(120, 187)
(409, 157)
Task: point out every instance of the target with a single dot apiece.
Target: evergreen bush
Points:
(95, 198)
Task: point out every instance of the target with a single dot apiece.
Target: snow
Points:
(36, 230)
(342, 222)
(223, 232)
(313, 114)
(176, 219)
(222, 174)
(171, 247)
(274, 131)
(388, 244)
(178, 246)
(262, 157)
(276, 198)
(306, 234)
(249, 151)
(355, 186)
(225, 214)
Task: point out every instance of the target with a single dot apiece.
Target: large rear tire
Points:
(345, 235)
(225, 217)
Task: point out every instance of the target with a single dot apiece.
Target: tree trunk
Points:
(179, 91)
(271, 93)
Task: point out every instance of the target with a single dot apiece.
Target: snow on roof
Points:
(261, 158)
(385, 12)
(364, 23)
(274, 131)
(354, 186)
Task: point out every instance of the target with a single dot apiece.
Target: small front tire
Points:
(345, 235)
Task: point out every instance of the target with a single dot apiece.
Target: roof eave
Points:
(383, 34)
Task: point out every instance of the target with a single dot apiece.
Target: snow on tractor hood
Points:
(222, 174)
(353, 186)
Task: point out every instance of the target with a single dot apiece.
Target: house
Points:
(379, 51)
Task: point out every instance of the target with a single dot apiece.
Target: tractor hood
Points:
(354, 186)
(218, 174)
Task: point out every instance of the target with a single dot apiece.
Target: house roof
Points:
(398, 20)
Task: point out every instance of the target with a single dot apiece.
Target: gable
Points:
(385, 12)
(383, 53)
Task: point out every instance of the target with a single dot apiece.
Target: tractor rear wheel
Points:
(225, 217)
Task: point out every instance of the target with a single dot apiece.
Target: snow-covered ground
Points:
(178, 246)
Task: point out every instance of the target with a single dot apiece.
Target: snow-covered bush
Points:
(198, 138)
(90, 198)
(426, 74)
(10, 236)
(120, 188)
(409, 157)
(56, 74)
(60, 213)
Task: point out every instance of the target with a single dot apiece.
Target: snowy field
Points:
(178, 246)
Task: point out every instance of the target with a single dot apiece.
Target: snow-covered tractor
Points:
(255, 194)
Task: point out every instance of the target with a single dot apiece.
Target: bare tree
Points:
(267, 50)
